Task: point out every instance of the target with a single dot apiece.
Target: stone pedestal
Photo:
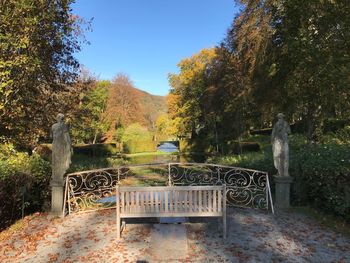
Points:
(56, 198)
(282, 191)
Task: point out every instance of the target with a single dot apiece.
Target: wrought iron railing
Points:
(245, 187)
(84, 190)
(95, 189)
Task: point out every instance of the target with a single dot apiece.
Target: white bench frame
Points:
(171, 201)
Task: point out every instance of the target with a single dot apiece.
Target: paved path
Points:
(168, 243)
(253, 236)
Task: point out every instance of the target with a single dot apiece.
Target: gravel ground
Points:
(253, 236)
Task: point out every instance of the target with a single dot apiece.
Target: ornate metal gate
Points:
(95, 189)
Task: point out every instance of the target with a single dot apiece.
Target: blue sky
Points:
(147, 38)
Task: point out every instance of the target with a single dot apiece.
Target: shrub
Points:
(236, 147)
(333, 125)
(97, 149)
(324, 170)
(82, 162)
(341, 136)
(321, 173)
(24, 183)
(266, 131)
(137, 139)
(135, 132)
(139, 146)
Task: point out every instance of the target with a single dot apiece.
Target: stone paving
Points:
(253, 236)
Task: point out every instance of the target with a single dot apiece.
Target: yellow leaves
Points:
(273, 70)
(192, 67)
(189, 83)
(167, 126)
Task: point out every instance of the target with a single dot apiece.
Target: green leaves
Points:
(321, 172)
(189, 88)
(19, 171)
(90, 122)
(37, 43)
(137, 138)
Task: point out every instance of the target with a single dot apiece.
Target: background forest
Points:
(278, 56)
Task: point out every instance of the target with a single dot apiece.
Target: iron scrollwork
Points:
(95, 189)
(85, 189)
(245, 187)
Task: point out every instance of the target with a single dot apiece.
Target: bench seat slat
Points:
(166, 202)
(168, 188)
(178, 214)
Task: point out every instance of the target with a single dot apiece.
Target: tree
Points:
(166, 126)
(188, 90)
(278, 56)
(90, 122)
(292, 56)
(97, 103)
(310, 53)
(37, 41)
(123, 106)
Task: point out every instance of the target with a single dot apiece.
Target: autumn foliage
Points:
(37, 66)
(278, 56)
(127, 105)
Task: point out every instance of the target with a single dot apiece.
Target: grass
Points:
(148, 154)
(82, 162)
(141, 176)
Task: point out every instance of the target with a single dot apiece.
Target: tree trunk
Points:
(95, 137)
(216, 138)
(310, 128)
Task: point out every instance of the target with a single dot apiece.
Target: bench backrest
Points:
(204, 200)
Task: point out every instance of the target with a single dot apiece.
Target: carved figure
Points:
(61, 149)
(280, 147)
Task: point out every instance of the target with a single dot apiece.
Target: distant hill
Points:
(127, 104)
(152, 106)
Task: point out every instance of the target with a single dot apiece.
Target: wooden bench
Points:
(171, 201)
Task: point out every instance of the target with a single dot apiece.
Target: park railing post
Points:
(117, 196)
(224, 211)
(169, 177)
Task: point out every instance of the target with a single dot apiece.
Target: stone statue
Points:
(280, 147)
(61, 149)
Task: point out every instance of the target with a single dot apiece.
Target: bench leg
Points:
(224, 226)
(118, 226)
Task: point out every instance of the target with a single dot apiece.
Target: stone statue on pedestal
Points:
(61, 159)
(280, 150)
(61, 149)
(280, 147)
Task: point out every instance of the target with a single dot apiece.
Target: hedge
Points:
(321, 174)
(24, 183)
(138, 146)
(97, 149)
(323, 178)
